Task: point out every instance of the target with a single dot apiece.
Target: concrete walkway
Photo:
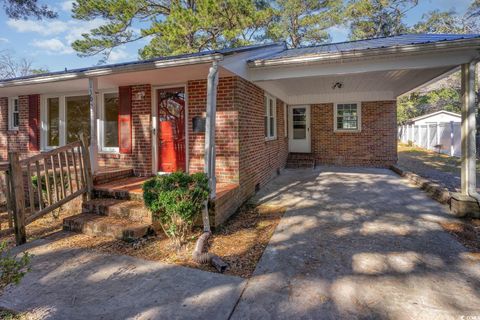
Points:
(80, 284)
(354, 244)
(359, 244)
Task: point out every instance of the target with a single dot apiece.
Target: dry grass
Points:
(240, 242)
(433, 159)
(44, 226)
(466, 232)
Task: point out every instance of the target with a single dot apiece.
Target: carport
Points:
(380, 69)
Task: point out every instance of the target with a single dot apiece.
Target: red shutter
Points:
(34, 122)
(125, 119)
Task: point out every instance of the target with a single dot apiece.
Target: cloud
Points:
(53, 46)
(71, 29)
(4, 40)
(67, 5)
(119, 54)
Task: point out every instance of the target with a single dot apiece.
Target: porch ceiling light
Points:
(337, 85)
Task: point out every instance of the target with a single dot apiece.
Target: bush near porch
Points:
(176, 200)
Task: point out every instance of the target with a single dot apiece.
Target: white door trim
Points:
(300, 146)
(154, 131)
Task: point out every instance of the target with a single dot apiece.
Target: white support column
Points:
(93, 93)
(468, 176)
(210, 152)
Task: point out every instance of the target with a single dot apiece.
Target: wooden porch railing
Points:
(40, 184)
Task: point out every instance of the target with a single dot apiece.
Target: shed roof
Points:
(434, 114)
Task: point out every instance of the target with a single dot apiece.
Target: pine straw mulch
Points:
(467, 232)
(240, 242)
(48, 224)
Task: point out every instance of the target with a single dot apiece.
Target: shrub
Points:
(176, 201)
(12, 269)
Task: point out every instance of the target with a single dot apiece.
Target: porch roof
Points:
(391, 44)
(133, 66)
(365, 70)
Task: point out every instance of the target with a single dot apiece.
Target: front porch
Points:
(121, 184)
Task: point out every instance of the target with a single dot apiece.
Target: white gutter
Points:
(101, 71)
(456, 45)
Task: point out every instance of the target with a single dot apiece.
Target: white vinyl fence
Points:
(444, 137)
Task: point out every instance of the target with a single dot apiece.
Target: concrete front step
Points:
(104, 226)
(122, 209)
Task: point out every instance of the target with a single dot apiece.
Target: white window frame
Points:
(268, 98)
(62, 117)
(285, 119)
(359, 117)
(101, 124)
(11, 111)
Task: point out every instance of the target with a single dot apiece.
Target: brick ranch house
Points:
(332, 104)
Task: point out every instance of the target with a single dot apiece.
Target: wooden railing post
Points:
(87, 168)
(18, 196)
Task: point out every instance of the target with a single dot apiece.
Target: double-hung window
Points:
(109, 122)
(270, 106)
(13, 113)
(66, 118)
(348, 117)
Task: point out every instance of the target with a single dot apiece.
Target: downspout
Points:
(93, 94)
(200, 253)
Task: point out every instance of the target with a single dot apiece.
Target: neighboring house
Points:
(441, 116)
(335, 103)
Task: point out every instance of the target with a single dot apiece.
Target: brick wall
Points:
(141, 157)
(259, 158)
(15, 140)
(226, 139)
(374, 146)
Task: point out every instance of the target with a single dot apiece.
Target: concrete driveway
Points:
(354, 243)
(359, 243)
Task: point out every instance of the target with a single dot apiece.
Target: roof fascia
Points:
(456, 45)
(102, 71)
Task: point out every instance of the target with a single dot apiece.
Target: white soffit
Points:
(370, 86)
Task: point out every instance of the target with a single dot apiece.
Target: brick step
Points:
(110, 175)
(295, 165)
(99, 192)
(104, 226)
(122, 209)
(301, 156)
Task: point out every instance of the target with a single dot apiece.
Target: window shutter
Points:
(34, 122)
(125, 119)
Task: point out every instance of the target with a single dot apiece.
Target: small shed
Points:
(441, 116)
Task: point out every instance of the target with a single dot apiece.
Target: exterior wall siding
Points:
(15, 140)
(226, 134)
(141, 157)
(260, 159)
(374, 146)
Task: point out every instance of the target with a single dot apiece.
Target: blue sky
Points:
(47, 43)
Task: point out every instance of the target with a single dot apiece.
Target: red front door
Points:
(171, 129)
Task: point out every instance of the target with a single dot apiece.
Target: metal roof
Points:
(375, 43)
(226, 51)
